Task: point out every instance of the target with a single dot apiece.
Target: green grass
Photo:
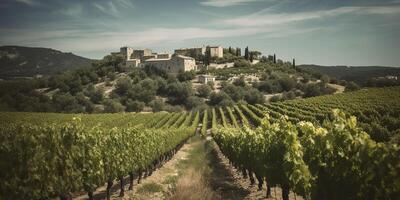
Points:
(171, 179)
(148, 188)
(199, 157)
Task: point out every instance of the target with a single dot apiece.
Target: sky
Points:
(325, 32)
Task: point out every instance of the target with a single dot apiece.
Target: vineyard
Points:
(320, 153)
(48, 155)
(313, 147)
(377, 111)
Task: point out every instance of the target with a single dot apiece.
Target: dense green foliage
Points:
(61, 155)
(370, 76)
(334, 161)
(301, 145)
(19, 61)
(377, 109)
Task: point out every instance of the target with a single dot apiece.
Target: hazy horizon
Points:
(330, 32)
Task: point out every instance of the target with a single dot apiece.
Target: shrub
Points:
(217, 98)
(186, 76)
(276, 98)
(193, 102)
(157, 105)
(134, 106)
(234, 92)
(112, 106)
(178, 92)
(204, 91)
(287, 83)
(240, 82)
(241, 63)
(253, 96)
(351, 86)
(123, 85)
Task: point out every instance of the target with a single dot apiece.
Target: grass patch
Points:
(192, 186)
(199, 157)
(170, 180)
(148, 188)
(192, 181)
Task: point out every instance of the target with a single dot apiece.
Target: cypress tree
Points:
(294, 63)
(270, 58)
(238, 52)
(207, 57)
(246, 53)
(230, 50)
(274, 58)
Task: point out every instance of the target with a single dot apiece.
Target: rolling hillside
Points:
(17, 61)
(352, 73)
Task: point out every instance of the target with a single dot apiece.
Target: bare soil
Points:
(339, 88)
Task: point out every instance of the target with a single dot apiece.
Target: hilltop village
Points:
(185, 59)
(137, 80)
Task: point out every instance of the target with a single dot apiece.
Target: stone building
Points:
(216, 51)
(206, 78)
(196, 52)
(174, 64)
(126, 52)
(140, 53)
(132, 62)
(144, 58)
(163, 55)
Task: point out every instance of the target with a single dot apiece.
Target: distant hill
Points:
(358, 74)
(17, 61)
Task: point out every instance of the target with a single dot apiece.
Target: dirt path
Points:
(339, 88)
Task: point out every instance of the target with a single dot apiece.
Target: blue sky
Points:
(327, 32)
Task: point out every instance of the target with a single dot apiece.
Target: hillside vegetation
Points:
(109, 86)
(17, 61)
(364, 75)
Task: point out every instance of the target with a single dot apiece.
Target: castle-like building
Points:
(182, 60)
(197, 52)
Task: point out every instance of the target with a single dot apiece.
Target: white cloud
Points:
(225, 3)
(107, 8)
(88, 41)
(267, 17)
(28, 2)
(100, 7)
(125, 3)
(71, 11)
(152, 37)
(112, 7)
